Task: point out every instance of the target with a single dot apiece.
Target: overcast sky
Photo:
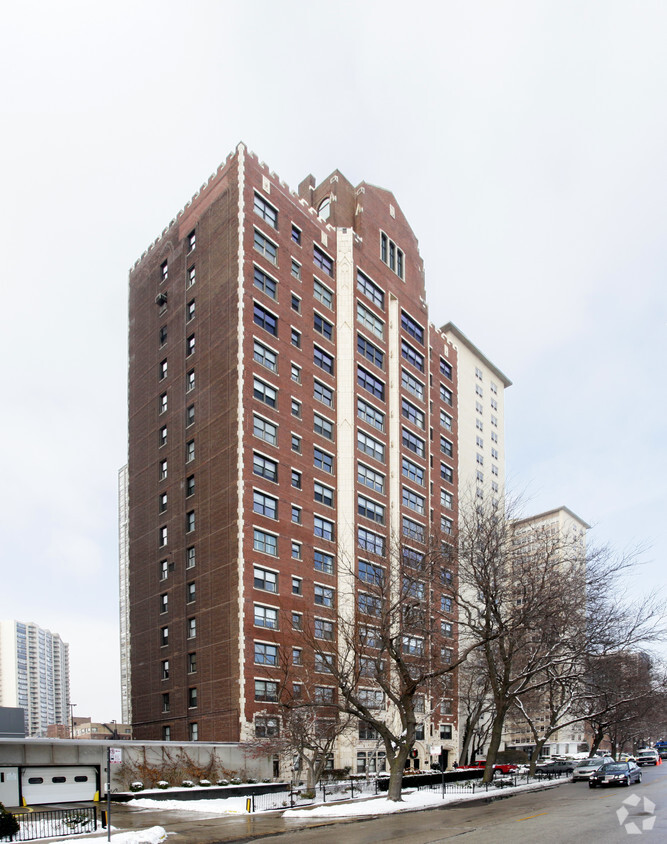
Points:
(525, 141)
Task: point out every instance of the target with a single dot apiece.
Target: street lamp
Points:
(71, 719)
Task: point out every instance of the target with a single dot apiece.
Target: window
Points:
(164, 603)
(412, 385)
(164, 271)
(322, 293)
(164, 636)
(322, 326)
(370, 573)
(323, 562)
(162, 502)
(413, 529)
(322, 460)
(370, 289)
(447, 629)
(296, 550)
(324, 208)
(190, 415)
(162, 536)
(324, 528)
(323, 494)
(164, 669)
(412, 559)
(266, 726)
(445, 604)
(323, 426)
(190, 557)
(190, 311)
(413, 645)
(447, 654)
(265, 505)
(479, 390)
(367, 733)
(163, 568)
(163, 403)
(296, 514)
(266, 211)
(445, 731)
(265, 430)
(413, 501)
(412, 356)
(265, 319)
(323, 359)
(323, 261)
(296, 303)
(479, 407)
(296, 479)
(190, 486)
(370, 321)
(370, 383)
(296, 269)
(445, 420)
(296, 235)
(297, 621)
(446, 473)
(266, 617)
(190, 383)
(266, 247)
(296, 338)
(412, 327)
(372, 698)
(296, 408)
(494, 421)
(265, 393)
(192, 698)
(266, 690)
(446, 499)
(190, 345)
(413, 442)
(323, 629)
(267, 543)
(370, 446)
(295, 373)
(165, 702)
(412, 471)
(296, 586)
(265, 356)
(370, 509)
(189, 451)
(162, 436)
(494, 437)
(296, 443)
(192, 628)
(192, 663)
(324, 663)
(370, 541)
(192, 276)
(163, 469)
(369, 351)
(446, 395)
(446, 447)
(373, 480)
(297, 656)
(412, 414)
(391, 255)
(192, 240)
(494, 453)
(324, 694)
(446, 525)
(266, 654)
(265, 283)
(480, 459)
(163, 370)
(323, 393)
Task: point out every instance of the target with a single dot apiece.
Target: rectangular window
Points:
(323, 562)
(446, 473)
(192, 698)
(446, 525)
(446, 447)
(323, 494)
(190, 415)
(190, 592)
(369, 573)
(265, 356)
(324, 528)
(370, 321)
(445, 420)
(446, 499)
(370, 509)
(370, 289)
(162, 502)
(323, 359)
(413, 501)
(296, 550)
(370, 383)
(190, 383)
(413, 442)
(163, 568)
(297, 621)
(323, 596)
(164, 669)
(164, 636)
(412, 356)
(446, 604)
(190, 557)
(163, 469)
(322, 293)
(162, 536)
(266, 617)
(391, 255)
(372, 698)
(265, 319)
(323, 426)
(370, 541)
(266, 211)
(265, 393)
(297, 583)
(296, 269)
(265, 430)
(323, 326)
(412, 327)
(164, 603)
(265, 505)
(295, 338)
(322, 260)
(446, 395)
(192, 663)
(165, 702)
(189, 451)
(412, 529)
(296, 408)
(447, 629)
(324, 663)
(373, 480)
(267, 543)
(295, 373)
(323, 629)
(189, 521)
(324, 694)
(296, 479)
(413, 645)
(296, 514)
(323, 393)
(192, 240)
(370, 414)
(265, 283)
(296, 444)
(412, 384)
(296, 303)
(412, 559)
(191, 628)
(296, 235)
(322, 460)
(266, 654)
(266, 247)
(266, 690)
(369, 351)
(192, 276)
(190, 346)
(412, 413)
(412, 471)
(162, 436)
(370, 446)
(445, 369)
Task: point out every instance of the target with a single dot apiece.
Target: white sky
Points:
(525, 141)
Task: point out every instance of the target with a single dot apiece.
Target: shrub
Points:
(223, 782)
(136, 786)
(9, 826)
(205, 783)
(162, 784)
(187, 784)
(307, 795)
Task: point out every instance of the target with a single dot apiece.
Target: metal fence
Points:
(54, 823)
(325, 792)
(476, 786)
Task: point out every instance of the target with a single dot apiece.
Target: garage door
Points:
(58, 784)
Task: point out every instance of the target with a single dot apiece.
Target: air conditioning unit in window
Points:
(161, 299)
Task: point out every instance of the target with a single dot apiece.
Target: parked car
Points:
(647, 756)
(586, 767)
(615, 773)
(502, 767)
(557, 766)
(627, 757)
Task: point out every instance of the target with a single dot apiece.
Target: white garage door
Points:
(58, 784)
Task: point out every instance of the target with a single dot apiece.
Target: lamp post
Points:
(71, 719)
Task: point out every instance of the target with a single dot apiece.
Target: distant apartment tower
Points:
(124, 595)
(34, 675)
(290, 406)
(481, 420)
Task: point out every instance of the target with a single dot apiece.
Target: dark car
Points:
(615, 773)
(558, 766)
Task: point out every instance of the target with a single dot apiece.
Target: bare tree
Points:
(475, 707)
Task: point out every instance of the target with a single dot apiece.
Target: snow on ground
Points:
(215, 806)
(152, 835)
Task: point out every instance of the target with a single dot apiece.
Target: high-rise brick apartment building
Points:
(290, 406)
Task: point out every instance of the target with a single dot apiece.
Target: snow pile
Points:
(216, 806)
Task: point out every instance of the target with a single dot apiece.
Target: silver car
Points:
(586, 767)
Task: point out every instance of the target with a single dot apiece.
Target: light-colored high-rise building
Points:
(123, 589)
(34, 674)
(481, 463)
